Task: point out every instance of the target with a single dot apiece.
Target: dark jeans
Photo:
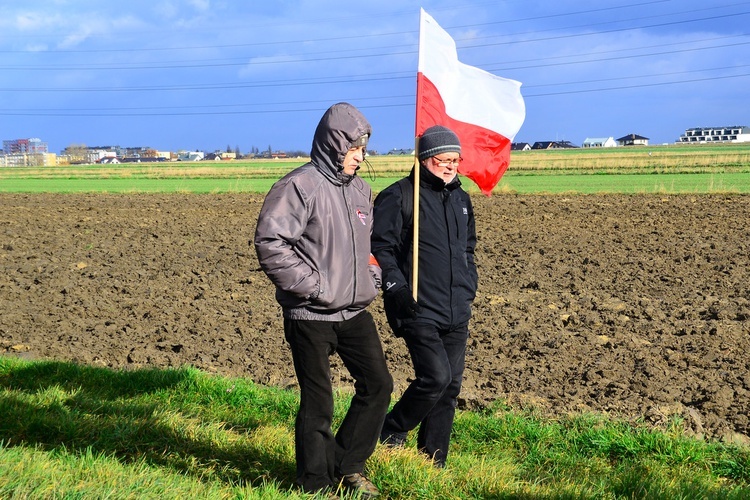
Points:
(320, 456)
(430, 400)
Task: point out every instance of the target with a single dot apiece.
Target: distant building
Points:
(220, 155)
(191, 156)
(520, 146)
(715, 134)
(553, 145)
(599, 142)
(25, 146)
(109, 160)
(26, 153)
(544, 145)
(114, 150)
(395, 151)
(97, 155)
(632, 140)
(28, 160)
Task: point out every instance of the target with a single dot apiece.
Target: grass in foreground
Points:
(71, 431)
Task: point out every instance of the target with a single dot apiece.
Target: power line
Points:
(194, 113)
(632, 50)
(632, 56)
(401, 101)
(217, 109)
(163, 66)
(643, 85)
(603, 32)
(209, 106)
(637, 77)
(336, 39)
(293, 58)
(375, 76)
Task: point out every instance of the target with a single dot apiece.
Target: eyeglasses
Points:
(444, 162)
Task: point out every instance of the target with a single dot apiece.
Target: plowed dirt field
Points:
(633, 305)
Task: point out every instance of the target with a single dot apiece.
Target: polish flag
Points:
(484, 110)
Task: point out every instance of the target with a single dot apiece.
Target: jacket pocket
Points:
(324, 297)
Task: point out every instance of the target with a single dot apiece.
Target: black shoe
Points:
(358, 483)
(393, 439)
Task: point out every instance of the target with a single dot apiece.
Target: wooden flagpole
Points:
(415, 217)
(415, 224)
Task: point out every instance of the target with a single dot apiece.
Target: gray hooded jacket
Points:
(313, 232)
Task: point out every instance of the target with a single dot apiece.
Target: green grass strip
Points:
(626, 183)
(170, 185)
(523, 183)
(72, 431)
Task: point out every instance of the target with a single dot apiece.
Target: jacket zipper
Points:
(447, 209)
(354, 241)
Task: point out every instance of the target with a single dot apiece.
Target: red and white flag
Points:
(484, 110)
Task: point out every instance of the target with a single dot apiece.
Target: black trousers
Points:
(430, 400)
(321, 457)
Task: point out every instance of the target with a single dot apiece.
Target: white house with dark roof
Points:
(736, 133)
(632, 140)
(520, 146)
(599, 142)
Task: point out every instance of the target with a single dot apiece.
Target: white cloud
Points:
(32, 21)
(201, 5)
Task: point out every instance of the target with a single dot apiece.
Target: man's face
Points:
(353, 158)
(444, 166)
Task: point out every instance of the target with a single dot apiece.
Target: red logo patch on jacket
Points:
(362, 217)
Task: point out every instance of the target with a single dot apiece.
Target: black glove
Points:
(406, 306)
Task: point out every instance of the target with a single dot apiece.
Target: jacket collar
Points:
(431, 181)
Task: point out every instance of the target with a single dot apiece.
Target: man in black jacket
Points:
(435, 327)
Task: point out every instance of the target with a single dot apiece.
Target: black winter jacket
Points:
(447, 271)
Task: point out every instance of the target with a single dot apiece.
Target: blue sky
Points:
(207, 74)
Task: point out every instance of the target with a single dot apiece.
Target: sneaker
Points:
(358, 483)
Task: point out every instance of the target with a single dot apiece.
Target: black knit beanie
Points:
(436, 140)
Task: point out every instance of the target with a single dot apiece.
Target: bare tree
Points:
(77, 153)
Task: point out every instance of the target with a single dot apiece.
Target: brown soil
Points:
(636, 306)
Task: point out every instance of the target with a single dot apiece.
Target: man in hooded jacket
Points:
(313, 242)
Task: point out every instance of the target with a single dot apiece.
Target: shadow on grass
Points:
(87, 409)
